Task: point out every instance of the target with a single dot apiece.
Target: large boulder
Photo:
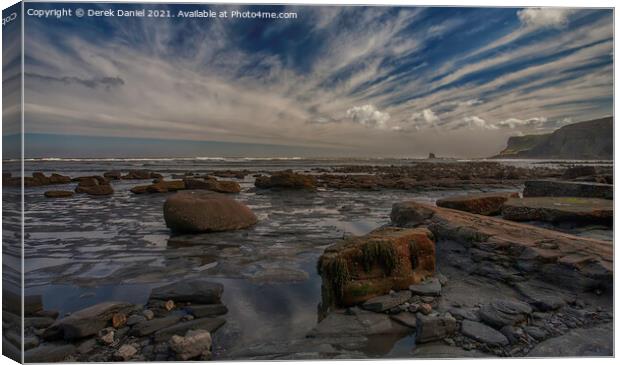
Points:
(361, 268)
(286, 180)
(202, 211)
(560, 209)
(551, 188)
(485, 204)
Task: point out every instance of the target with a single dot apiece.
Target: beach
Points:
(84, 250)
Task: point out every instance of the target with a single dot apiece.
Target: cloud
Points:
(368, 115)
(544, 17)
(92, 83)
(425, 118)
(471, 122)
(470, 102)
(513, 123)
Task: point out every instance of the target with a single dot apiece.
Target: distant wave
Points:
(131, 159)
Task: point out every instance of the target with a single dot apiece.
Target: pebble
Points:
(106, 336)
(119, 320)
(425, 308)
(169, 305)
(148, 314)
(125, 352)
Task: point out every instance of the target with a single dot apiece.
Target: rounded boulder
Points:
(203, 211)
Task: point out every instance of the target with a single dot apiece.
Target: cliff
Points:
(590, 140)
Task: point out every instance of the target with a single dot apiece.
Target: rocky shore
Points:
(539, 291)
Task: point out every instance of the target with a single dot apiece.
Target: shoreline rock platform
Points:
(560, 209)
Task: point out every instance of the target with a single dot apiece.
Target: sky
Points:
(337, 81)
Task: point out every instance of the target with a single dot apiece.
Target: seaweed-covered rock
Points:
(112, 175)
(141, 175)
(485, 204)
(159, 187)
(551, 188)
(361, 268)
(560, 209)
(94, 186)
(286, 180)
(213, 185)
(58, 194)
(37, 179)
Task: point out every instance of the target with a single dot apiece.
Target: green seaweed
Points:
(336, 271)
(383, 254)
(362, 290)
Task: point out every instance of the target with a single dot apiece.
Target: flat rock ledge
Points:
(560, 209)
(484, 204)
(535, 188)
(521, 250)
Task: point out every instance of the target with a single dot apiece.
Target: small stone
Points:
(443, 280)
(187, 317)
(386, 302)
(30, 342)
(414, 307)
(429, 287)
(119, 320)
(169, 305)
(194, 344)
(432, 328)
(425, 308)
(125, 352)
(536, 332)
(148, 314)
(135, 319)
(427, 299)
(106, 336)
